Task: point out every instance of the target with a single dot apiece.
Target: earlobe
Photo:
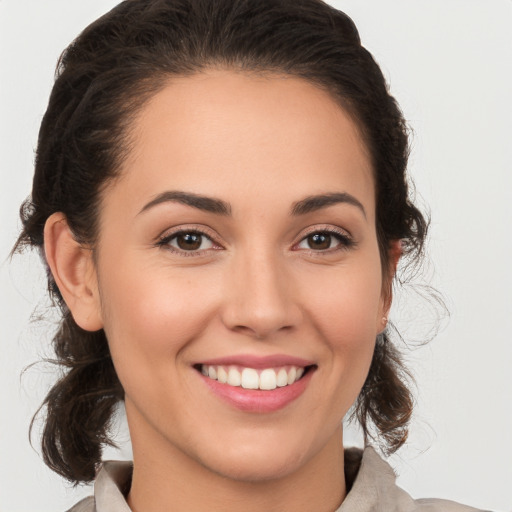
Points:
(72, 267)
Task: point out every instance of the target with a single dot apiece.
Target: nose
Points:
(260, 298)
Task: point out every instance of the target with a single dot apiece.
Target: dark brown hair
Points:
(103, 79)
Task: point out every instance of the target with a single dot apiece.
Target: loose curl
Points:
(102, 81)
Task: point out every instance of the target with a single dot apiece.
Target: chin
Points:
(254, 471)
(254, 462)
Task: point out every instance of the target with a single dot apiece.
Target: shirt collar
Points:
(111, 486)
(373, 490)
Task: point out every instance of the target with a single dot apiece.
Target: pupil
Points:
(189, 241)
(319, 241)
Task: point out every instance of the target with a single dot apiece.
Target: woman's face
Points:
(239, 242)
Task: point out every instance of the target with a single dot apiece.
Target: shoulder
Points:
(85, 505)
(111, 485)
(374, 489)
(434, 505)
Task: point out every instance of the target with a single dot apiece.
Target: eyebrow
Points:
(207, 204)
(219, 207)
(317, 202)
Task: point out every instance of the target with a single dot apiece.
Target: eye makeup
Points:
(198, 241)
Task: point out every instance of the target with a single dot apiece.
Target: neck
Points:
(168, 478)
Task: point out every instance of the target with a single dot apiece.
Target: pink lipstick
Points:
(257, 384)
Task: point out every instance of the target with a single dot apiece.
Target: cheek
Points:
(150, 315)
(346, 310)
(347, 307)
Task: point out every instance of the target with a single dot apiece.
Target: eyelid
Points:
(163, 239)
(346, 238)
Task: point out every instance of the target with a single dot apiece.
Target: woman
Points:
(220, 192)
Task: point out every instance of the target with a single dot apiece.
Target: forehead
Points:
(232, 133)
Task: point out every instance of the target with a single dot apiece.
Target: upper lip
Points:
(258, 362)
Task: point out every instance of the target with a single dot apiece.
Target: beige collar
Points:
(370, 480)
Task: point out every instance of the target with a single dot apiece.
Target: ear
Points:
(394, 254)
(73, 269)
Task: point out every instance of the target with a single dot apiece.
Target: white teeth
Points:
(268, 379)
(222, 375)
(282, 378)
(292, 374)
(250, 378)
(234, 377)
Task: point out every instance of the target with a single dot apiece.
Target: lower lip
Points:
(257, 400)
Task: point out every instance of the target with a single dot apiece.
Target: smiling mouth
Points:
(251, 378)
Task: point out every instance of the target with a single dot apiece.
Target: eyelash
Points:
(345, 241)
(165, 241)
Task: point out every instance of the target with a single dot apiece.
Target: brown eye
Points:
(190, 241)
(325, 241)
(319, 241)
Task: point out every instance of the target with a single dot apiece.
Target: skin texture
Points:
(255, 286)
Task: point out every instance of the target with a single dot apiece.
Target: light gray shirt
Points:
(370, 480)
